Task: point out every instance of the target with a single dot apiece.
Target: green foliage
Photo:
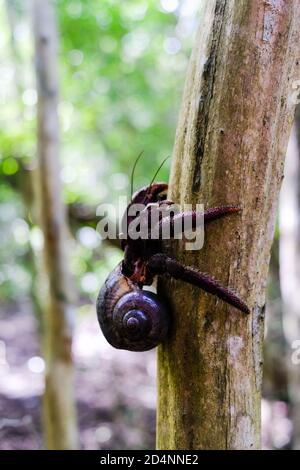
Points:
(122, 67)
(120, 91)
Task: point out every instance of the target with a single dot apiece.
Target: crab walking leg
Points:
(177, 221)
(162, 264)
(217, 212)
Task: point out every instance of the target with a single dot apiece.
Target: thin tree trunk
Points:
(25, 179)
(290, 270)
(59, 410)
(17, 62)
(230, 146)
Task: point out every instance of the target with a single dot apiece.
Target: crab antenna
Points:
(132, 173)
(156, 173)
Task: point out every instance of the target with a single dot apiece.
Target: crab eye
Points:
(162, 196)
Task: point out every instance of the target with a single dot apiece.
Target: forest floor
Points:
(115, 390)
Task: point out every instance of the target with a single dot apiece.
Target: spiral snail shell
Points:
(130, 318)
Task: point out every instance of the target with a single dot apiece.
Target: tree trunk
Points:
(59, 410)
(24, 183)
(230, 146)
(290, 271)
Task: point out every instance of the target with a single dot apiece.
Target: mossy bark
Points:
(231, 140)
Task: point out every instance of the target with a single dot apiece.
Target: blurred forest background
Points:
(121, 73)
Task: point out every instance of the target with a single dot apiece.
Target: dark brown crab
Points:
(144, 259)
(135, 319)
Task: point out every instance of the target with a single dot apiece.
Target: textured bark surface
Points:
(290, 272)
(230, 145)
(59, 410)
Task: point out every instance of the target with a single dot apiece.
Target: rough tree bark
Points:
(59, 410)
(230, 145)
(290, 271)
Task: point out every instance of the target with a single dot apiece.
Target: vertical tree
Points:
(290, 271)
(230, 146)
(24, 184)
(59, 410)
